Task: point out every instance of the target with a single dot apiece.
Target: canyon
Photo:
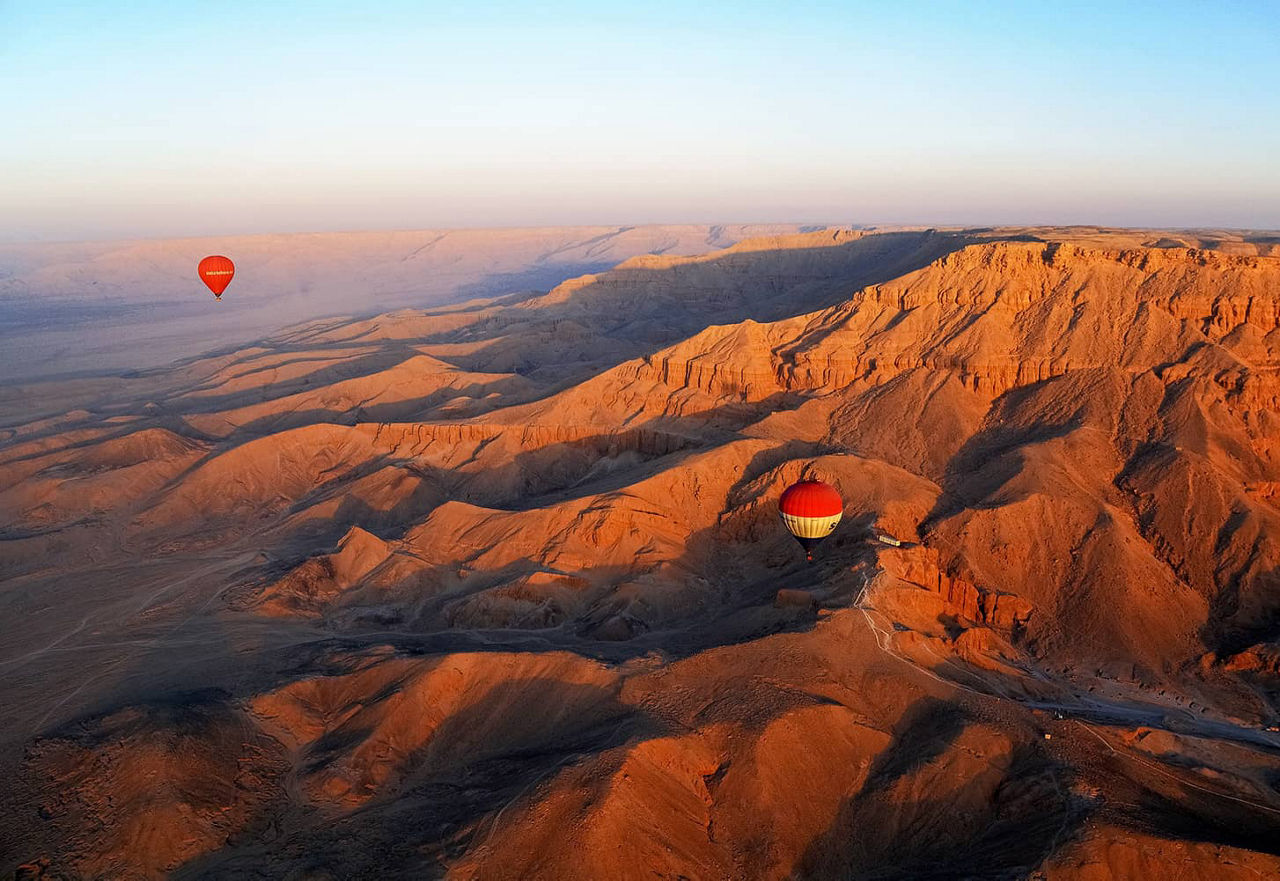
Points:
(496, 587)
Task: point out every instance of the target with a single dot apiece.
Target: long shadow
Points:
(1197, 818)
(411, 409)
(988, 459)
(550, 474)
(482, 787)
(304, 534)
(1196, 815)
(1226, 631)
(189, 742)
(763, 284)
(441, 809)
(652, 307)
(639, 302)
(926, 730)
(554, 473)
(386, 357)
(738, 602)
(649, 307)
(1005, 834)
(656, 445)
(438, 812)
(642, 309)
(538, 278)
(436, 799)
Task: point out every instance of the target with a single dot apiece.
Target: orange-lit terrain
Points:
(499, 590)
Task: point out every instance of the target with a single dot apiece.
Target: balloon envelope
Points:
(810, 510)
(217, 271)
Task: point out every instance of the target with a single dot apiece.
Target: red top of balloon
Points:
(811, 498)
(216, 271)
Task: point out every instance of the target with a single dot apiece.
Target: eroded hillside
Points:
(498, 590)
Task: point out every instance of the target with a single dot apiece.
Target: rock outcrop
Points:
(499, 589)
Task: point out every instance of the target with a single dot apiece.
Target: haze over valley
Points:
(92, 308)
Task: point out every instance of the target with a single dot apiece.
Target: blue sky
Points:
(159, 119)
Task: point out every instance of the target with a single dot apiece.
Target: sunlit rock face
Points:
(500, 589)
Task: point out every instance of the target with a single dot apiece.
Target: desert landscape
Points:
(485, 578)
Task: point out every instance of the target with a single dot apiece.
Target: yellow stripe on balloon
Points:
(810, 527)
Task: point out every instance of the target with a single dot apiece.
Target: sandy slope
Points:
(498, 590)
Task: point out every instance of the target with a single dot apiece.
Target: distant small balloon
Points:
(217, 271)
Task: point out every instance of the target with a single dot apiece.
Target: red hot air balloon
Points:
(217, 272)
(810, 510)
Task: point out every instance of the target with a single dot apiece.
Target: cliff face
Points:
(1004, 315)
(499, 589)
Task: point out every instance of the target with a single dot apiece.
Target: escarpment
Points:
(1000, 316)
(959, 598)
(501, 589)
(409, 440)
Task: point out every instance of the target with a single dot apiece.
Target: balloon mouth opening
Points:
(808, 545)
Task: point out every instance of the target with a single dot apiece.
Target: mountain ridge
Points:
(498, 589)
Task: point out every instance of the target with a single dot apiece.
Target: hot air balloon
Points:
(217, 271)
(810, 510)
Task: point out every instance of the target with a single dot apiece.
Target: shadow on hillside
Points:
(984, 829)
(655, 306)
(721, 563)
(627, 313)
(637, 309)
(415, 409)
(510, 286)
(1246, 611)
(185, 402)
(440, 811)
(990, 458)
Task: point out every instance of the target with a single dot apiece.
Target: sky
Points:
(158, 119)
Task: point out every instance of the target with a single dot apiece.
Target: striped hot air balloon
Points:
(216, 271)
(810, 510)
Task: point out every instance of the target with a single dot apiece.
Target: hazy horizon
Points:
(155, 122)
(17, 246)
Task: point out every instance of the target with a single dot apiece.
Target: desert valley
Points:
(498, 589)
